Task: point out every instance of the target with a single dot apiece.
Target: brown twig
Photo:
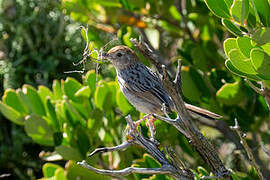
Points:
(184, 123)
(242, 136)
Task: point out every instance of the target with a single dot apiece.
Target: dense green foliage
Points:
(69, 117)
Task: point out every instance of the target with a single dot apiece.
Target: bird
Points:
(142, 87)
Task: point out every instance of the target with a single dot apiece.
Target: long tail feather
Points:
(202, 112)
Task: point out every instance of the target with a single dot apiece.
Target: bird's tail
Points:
(197, 112)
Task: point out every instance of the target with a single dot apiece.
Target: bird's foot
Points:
(152, 129)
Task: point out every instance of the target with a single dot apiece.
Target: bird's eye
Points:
(118, 54)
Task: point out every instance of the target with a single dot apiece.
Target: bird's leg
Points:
(152, 128)
(136, 123)
(140, 120)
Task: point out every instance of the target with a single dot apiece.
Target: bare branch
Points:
(127, 171)
(178, 78)
(122, 146)
(242, 136)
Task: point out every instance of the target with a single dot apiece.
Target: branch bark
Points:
(184, 122)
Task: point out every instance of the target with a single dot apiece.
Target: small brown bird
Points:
(142, 87)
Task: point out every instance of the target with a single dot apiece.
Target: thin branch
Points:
(242, 136)
(127, 171)
(122, 146)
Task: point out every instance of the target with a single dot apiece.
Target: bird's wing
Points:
(141, 79)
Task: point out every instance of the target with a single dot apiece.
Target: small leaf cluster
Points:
(248, 54)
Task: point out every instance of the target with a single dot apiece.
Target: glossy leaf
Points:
(232, 27)
(69, 153)
(219, 8)
(70, 87)
(91, 79)
(101, 93)
(230, 93)
(190, 90)
(12, 99)
(52, 114)
(60, 174)
(39, 130)
(11, 114)
(263, 10)
(84, 91)
(241, 62)
(49, 169)
(230, 44)
(122, 102)
(57, 91)
(234, 70)
(261, 62)
(44, 93)
(245, 46)
(34, 99)
(261, 36)
(239, 10)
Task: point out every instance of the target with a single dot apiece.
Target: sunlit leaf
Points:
(39, 130)
(219, 8)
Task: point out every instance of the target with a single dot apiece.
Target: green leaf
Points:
(60, 174)
(70, 87)
(175, 13)
(91, 79)
(263, 10)
(84, 91)
(261, 62)
(122, 102)
(230, 93)
(101, 93)
(233, 69)
(241, 62)
(57, 138)
(69, 153)
(240, 10)
(232, 27)
(39, 130)
(229, 3)
(219, 8)
(49, 169)
(230, 44)
(52, 114)
(151, 162)
(57, 91)
(82, 141)
(190, 90)
(11, 114)
(245, 46)
(12, 99)
(261, 36)
(44, 92)
(35, 102)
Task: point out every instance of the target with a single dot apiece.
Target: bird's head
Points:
(121, 57)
